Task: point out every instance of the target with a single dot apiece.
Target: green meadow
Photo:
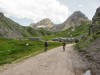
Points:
(12, 50)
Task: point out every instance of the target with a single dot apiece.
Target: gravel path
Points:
(53, 62)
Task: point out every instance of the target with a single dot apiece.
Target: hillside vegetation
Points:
(70, 32)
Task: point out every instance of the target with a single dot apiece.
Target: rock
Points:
(95, 27)
(1, 16)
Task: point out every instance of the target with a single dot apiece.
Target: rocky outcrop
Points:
(95, 27)
(1, 16)
(44, 23)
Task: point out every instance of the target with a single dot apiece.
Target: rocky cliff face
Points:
(1, 16)
(95, 27)
(44, 23)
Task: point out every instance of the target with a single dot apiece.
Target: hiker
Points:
(46, 45)
(64, 44)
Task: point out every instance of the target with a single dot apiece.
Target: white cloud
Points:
(35, 9)
(80, 5)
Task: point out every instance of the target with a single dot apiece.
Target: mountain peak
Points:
(78, 14)
(46, 19)
(95, 27)
(76, 19)
(97, 14)
(1, 15)
(44, 23)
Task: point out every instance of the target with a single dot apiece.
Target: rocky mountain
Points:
(76, 19)
(44, 23)
(95, 27)
(11, 29)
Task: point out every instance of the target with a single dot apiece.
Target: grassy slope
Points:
(12, 50)
(80, 30)
(85, 42)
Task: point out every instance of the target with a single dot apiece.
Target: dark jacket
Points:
(46, 44)
(64, 44)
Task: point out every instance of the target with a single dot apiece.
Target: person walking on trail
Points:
(64, 44)
(46, 45)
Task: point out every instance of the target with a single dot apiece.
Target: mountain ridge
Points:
(11, 29)
(74, 20)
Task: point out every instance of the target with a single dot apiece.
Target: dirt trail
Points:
(53, 62)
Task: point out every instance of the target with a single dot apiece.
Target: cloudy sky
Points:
(32, 11)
